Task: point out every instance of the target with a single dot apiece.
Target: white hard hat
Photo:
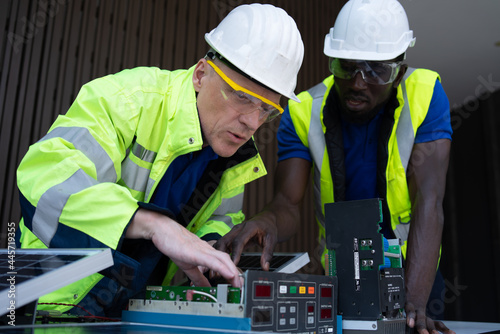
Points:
(263, 42)
(369, 30)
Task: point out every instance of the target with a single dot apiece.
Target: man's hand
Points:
(416, 318)
(256, 231)
(182, 247)
(278, 221)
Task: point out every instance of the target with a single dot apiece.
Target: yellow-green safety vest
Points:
(414, 95)
(107, 154)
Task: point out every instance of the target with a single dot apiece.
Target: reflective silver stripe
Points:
(83, 141)
(402, 230)
(135, 176)
(149, 186)
(228, 205)
(404, 132)
(226, 219)
(142, 153)
(51, 204)
(317, 144)
(405, 138)
(315, 136)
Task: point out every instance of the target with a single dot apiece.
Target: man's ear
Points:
(200, 71)
(402, 71)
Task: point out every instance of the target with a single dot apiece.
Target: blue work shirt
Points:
(180, 179)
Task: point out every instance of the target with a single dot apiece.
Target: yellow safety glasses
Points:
(246, 101)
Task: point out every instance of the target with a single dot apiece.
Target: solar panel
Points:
(281, 262)
(27, 274)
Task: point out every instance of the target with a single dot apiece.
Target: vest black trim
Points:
(335, 146)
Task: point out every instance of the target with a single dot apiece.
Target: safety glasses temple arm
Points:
(235, 86)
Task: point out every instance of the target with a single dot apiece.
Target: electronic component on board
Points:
(268, 301)
(368, 267)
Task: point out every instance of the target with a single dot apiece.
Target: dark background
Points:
(49, 48)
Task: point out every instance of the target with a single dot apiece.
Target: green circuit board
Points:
(185, 293)
(330, 263)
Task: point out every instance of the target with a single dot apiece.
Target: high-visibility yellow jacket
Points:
(410, 108)
(82, 183)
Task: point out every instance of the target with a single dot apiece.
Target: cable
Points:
(392, 255)
(204, 294)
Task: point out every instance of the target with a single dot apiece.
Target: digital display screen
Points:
(326, 313)
(310, 309)
(261, 316)
(326, 292)
(263, 291)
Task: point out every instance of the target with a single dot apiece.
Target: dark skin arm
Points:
(278, 221)
(426, 181)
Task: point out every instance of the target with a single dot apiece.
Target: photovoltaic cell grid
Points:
(27, 274)
(27, 266)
